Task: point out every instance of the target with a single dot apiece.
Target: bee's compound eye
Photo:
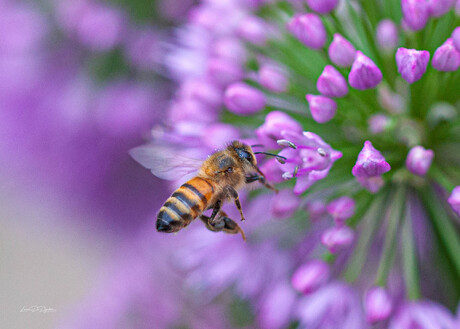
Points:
(229, 170)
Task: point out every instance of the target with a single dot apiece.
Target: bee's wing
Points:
(165, 163)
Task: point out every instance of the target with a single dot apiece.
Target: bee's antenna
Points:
(258, 145)
(280, 158)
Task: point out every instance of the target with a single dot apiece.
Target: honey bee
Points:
(219, 178)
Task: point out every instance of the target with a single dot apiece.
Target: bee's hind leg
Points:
(222, 223)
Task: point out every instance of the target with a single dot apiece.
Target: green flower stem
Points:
(370, 224)
(441, 178)
(409, 259)
(396, 213)
(443, 226)
(338, 25)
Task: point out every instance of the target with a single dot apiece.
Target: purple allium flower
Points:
(284, 204)
(322, 6)
(378, 123)
(341, 209)
(378, 304)
(273, 78)
(456, 38)
(446, 58)
(227, 54)
(224, 71)
(310, 276)
(424, 315)
(275, 123)
(309, 29)
(337, 238)
(439, 7)
(364, 73)
(454, 200)
(370, 162)
(412, 63)
(419, 160)
(335, 305)
(243, 99)
(387, 35)
(331, 83)
(322, 108)
(309, 162)
(415, 13)
(341, 51)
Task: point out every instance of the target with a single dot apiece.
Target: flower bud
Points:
(415, 13)
(284, 204)
(419, 160)
(370, 162)
(316, 209)
(387, 35)
(446, 58)
(273, 78)
(202, 90)
(275, 123)
(438, 8)
(322, 108)
(310, 276)
(456, 38)
(322, 6)
(331, 83)
(309, 29)
(341, 209)
(364, 73)
(390, 101)
(243, 99)
(412, 63)
(253, 30)
(454, 200)
(378, 123)
(337, 238)
(439, 112)
(224, 71)
(377, 304)
(341, 51)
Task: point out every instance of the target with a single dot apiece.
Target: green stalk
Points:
(443, 226)
(409, 258)
(441, 178)
(389, 247)
(370, 223)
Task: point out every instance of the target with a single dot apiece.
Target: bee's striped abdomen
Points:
(186, 203)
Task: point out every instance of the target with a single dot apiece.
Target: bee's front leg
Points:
(233, 193)
(262, 180)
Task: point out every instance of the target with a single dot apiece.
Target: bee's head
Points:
(243, 153)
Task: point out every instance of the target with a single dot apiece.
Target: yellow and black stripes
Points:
(186, 203)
